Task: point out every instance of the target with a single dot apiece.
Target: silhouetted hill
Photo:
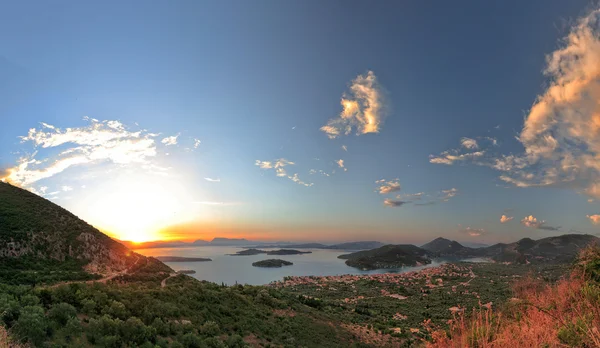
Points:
(445, 247)
(550, 249)
(33, 228)
(363, 245)
(388, 256)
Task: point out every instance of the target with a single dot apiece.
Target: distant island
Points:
(271, 263)
(181, 259)
(253, 251)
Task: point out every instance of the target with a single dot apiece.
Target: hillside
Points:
(33, 228)
(551, 249)
(445, 247)
(388, 256)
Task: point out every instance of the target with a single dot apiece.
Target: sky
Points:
(322, 121)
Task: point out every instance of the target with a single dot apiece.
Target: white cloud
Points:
(172, 140)
(344, 147)
(505, 219)
(390, 186)
(560, 134)
(196, 143)
(280, 171)
(340, 164)
(469, 143)
(411, 196)
(447, 194)
(532, 222)
(595, 219)
(363, 109)
(452, 156)
(67, 188)
(393, 203)
(212, 180)
(474, 232)
(106, 141)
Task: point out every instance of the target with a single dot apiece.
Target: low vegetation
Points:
(563, 314)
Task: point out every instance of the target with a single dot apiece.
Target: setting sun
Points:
(135, 208)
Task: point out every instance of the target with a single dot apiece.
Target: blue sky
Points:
(256, 81)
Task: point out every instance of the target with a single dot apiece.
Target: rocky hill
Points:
(388, 256)
(33, 227)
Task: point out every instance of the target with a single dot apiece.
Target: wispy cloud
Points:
(67, 188)
(533, 222)
(172, 140)
(212, 180)
(505, 219)
(388, 186)
(197, 143)
(473, 232)
(447, 194)
(595, 219)
(99, 142)
(393, 203)
(451, 156)
(280, 171)
(344, 147)
(363, 108)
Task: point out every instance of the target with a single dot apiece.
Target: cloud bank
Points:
(561, 132)
(99, 142)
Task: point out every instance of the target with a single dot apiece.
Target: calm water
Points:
(231, 269)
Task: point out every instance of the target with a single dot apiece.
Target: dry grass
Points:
(565, 314)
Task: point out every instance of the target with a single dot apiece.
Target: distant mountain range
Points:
(240, 242)
(551, 249)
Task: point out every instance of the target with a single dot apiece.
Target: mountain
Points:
(363, 245)
(35, 231)
(220, 241)
(388, 256)
(445, 247)
(475, 245)
(562, 248)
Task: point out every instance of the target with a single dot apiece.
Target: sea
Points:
(230, 270)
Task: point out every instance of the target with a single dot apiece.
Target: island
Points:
(271, 263)
(287, 252)
(248, 252)
(181, 259)
(388, 256)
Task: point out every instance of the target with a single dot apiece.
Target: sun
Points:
(136, 207)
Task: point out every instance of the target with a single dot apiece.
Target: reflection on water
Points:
(238, 269)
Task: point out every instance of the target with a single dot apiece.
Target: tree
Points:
(134, 331)
(31, 325)
(209, 328)
(72, 328)
(117, 310)
(61, 313)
